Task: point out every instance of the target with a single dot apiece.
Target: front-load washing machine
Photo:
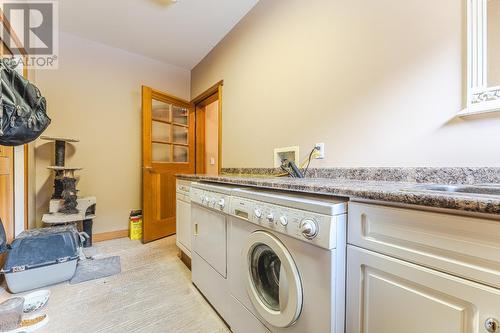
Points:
(286, 262)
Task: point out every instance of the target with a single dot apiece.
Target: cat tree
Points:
(65, 207)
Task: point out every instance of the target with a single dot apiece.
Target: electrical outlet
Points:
(320, 147)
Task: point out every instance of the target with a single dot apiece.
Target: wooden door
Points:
(387, 295)
(168, 125)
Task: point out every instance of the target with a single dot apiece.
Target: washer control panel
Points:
(210, 199)
(315, 228)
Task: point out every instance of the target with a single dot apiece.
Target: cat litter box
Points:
(40, 259)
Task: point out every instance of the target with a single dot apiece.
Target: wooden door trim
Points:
(207, 93)
(200, 140)
(26, 187)
(12, 34)
(8, 27)
(209, 96)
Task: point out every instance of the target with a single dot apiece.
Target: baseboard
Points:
(184, 258)
(103, 236)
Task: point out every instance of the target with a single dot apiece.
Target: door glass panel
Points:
(180, 134)
(161, 152)
(160, 131)
(265, 272)
(180, 115)
(161, 111)
(180, 154)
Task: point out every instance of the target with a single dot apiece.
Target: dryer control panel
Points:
(210, 199)
(315, 228)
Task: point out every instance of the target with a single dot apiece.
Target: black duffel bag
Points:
(23, 110)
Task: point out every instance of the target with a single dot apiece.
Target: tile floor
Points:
(153, 293)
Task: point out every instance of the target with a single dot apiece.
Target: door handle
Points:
(148, 168)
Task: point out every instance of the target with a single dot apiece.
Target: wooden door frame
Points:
(8, 27)
(212, 94)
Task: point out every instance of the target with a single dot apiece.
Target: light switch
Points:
(212, 161)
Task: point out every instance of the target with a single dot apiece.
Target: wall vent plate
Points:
(289, 153)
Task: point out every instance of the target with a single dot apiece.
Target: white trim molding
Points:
(480, 97)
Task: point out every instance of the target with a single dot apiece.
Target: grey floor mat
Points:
(92, 269)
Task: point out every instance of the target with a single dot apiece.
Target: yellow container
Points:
(135, 230)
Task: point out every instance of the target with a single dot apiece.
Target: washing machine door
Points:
(273, 282)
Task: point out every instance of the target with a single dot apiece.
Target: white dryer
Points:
(209, 209)
(286, 262)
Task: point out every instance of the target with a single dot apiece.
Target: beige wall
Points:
(379, 82)
(95, 96)
(212, 138)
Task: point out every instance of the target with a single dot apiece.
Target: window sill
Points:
(472, 112)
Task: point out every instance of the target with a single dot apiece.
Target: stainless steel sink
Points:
(483, 189)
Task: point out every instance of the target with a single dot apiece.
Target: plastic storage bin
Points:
(40, 259)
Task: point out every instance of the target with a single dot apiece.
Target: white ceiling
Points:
(179, 33)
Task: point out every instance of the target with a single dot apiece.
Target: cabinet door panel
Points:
(184, 223)
(387, 295)
(465, 246)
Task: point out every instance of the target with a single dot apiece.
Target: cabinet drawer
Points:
(183, 197)
(463, 246)
(183, 186)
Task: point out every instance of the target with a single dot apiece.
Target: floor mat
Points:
(92, 269)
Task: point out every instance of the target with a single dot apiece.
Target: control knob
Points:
(257, 213)
(308, 228)
(283, 220)
(270, 217)
(491, 325)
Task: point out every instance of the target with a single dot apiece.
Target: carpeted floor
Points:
(152, 294)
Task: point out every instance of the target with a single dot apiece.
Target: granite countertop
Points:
(389, 191)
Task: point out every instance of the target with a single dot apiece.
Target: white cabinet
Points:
(387, 295)
(465, 246)
(421, 272)
(183, 217)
